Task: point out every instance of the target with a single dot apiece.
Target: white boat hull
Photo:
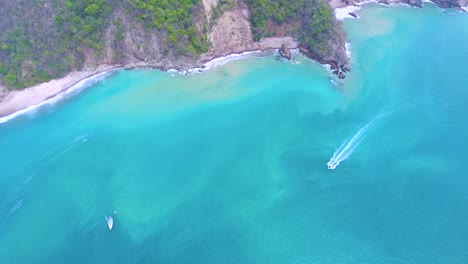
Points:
(110, 222)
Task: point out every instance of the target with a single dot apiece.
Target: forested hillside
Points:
(44, 39)
(310, 21)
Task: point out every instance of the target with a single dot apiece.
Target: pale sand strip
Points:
(18, 100)
(262, 45)
(276, 43)
(14, 101)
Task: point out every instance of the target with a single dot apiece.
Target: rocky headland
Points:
(130, 36)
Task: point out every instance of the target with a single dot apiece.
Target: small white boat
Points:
(110, 222)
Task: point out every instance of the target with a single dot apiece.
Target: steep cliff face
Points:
(311, 22)
(46, 39)
(230, 32)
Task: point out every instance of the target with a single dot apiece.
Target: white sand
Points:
(276, 43)
(18, 100)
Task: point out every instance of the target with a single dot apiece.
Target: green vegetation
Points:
(82, 21)
(221, 7)
(312, 20)
(62, 35)
(42, 46)
(176, 18)
(44, 39)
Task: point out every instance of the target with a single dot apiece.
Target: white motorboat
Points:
(110, 222)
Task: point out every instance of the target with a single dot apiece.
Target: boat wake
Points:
(15, 200)
(350, 144)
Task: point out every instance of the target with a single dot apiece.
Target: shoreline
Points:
(18, 102)
(343, 11)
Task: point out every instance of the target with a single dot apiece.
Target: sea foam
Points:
(216, 62)
(343, 12)
(348, 49)
(231, 57)
(60, 96)
(98, 77)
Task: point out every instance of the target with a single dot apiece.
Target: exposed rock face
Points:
(125, 40)
(209, 5)
(337, 66)
(120, 38)
(231, 31)
(285, 52)
(138, 47)
(128, 42)
(451, 3)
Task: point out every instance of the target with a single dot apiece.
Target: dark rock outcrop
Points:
(417, 3)
(447, 3)
(337, 67)
(285, 52)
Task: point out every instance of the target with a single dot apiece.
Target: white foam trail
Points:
(15, 207)
(18, 204)
(349, 145)
(465, 8)
(60, 96)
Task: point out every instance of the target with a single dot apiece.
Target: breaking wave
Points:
(60, 96)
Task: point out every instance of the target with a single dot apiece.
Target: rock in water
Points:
(341, 75)
(285, 52)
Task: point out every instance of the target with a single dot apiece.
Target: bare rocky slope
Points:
(45, 39)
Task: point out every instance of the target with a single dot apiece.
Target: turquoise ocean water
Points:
(230, 165)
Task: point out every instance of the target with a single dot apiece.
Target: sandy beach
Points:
(238, 40)
(14, 101)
